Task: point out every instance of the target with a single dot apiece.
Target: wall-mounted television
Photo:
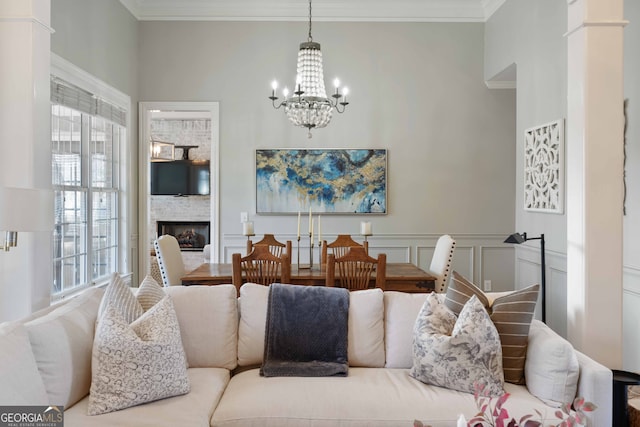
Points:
(180, 178)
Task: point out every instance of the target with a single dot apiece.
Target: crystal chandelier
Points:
(309, 106)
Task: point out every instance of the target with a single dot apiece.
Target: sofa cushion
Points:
(62, 342)
(20, 382)
(366, 326)
(192, 409)
(253, 315)
(552, 368)
(208, 317)
(374, 397)
(138, 362)
(457, 354)
(400, 313)
(511, 313)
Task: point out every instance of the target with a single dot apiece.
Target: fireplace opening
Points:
(191, 235)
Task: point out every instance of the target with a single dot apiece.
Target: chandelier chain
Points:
(308, 106)
(310, 38)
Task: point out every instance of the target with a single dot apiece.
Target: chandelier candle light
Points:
(309, 105)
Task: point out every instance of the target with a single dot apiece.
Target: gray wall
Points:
(99, 36)
(416, 89)
(530, 35)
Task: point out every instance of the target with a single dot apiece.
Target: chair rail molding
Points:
(477, 256)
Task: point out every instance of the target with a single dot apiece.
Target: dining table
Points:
(400, 276)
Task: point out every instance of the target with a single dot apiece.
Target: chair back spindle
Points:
(355, 270)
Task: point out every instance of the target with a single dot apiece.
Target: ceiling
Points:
(323, 10)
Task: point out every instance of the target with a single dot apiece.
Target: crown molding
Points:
(323, 10)
(490, 7)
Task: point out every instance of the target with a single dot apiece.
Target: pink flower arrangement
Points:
(492, 414)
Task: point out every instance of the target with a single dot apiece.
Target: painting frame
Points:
(325, 181)
(544, 168)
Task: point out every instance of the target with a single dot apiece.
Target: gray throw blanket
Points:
(306, 331)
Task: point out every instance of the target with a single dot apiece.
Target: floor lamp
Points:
(518, 238)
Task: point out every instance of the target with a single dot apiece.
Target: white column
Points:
(594, 178)
(25, 144)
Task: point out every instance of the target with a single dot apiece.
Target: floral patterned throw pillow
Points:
(456, 354)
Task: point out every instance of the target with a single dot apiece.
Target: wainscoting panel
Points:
(492, 267)
(557, 300)
(394, 253)
(529, 272)
(463, 263)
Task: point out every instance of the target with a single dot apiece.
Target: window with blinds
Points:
(87, 139)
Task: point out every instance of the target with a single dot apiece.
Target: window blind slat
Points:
(64, 93)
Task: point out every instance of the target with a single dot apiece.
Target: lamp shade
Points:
(25, 209)
(516, 238)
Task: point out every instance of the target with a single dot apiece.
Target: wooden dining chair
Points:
(275, 247)
(260, 266)
(355, 270)
(340, 247)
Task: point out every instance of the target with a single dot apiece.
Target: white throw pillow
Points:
(119, 294)
(20, 382)
(366, 328)
(470, 355)
(139, 362)
(61, 343)
(400, 312)
(149, 293)
(552, 368)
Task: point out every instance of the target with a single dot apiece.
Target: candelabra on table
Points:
(310, 254)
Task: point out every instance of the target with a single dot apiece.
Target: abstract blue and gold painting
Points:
(325, 181)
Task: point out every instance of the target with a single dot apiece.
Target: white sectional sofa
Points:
(46, 360)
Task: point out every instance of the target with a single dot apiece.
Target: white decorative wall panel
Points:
(544, 168)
